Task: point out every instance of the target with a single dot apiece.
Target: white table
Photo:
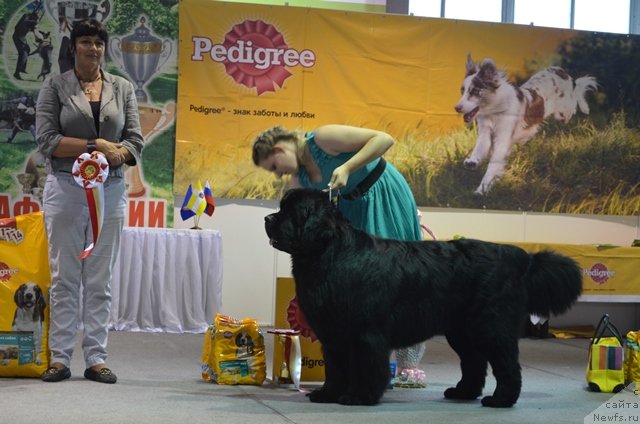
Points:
(167, 280)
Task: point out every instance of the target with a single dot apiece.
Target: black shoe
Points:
(103, 376)
(16, 75)
(53, 374)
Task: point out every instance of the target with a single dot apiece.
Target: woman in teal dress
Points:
(371, 193)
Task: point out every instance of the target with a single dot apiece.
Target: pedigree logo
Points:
(599, 273)
(6, 272)
(255, 54)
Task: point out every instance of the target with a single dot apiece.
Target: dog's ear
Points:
(320, 221)
(18, 297)
(488, 71)
(42, 302)
(471, 68)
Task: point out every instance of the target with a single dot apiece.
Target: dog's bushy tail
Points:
(582, 86)
(554, 283)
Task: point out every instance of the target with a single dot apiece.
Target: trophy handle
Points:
(116, 52)
(166, 119)
(167, 47)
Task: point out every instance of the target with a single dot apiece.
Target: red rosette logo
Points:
(297, 320)
(599, 273)
(5, 272)
(253, 36)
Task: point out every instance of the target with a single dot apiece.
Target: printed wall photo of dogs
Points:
(507, 114)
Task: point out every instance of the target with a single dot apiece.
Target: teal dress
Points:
(388, 209)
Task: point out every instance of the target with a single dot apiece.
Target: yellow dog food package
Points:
(233, 352)
(632, 358)
(24, 294)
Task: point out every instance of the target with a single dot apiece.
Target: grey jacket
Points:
(63, 110)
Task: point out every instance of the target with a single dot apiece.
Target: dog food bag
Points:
(24, 289)
(234, 352)
(632, 358)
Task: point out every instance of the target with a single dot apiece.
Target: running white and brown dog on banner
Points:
(507, 114)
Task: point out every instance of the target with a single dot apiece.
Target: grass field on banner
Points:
(577, 169)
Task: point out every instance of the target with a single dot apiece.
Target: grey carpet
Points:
(159, 382)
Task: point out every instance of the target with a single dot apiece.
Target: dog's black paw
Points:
(358, 400)
(461, 394)
(470, 164)
(323, 396)
(494, 402)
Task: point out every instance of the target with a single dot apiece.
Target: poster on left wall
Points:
(142, 48)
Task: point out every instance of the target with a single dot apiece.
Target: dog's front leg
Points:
(335, 380)
(369, 373)
(497, 164)
(482, 147)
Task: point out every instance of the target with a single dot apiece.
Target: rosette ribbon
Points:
(90, 172)
(297, 320)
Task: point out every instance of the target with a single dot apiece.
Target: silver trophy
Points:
(141, 55)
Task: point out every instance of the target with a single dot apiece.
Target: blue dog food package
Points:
(24, 294)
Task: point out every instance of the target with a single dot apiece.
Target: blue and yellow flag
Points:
(194, 202)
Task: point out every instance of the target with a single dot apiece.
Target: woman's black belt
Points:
(368, 181)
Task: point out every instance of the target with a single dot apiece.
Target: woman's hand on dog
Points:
(339, 178)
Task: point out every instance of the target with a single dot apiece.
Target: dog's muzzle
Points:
(269, 223)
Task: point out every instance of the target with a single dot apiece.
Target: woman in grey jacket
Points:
(84, 110)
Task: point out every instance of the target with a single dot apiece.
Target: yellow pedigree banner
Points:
(609, 273)
(246, 67)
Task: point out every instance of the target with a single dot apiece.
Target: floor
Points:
(159, 382)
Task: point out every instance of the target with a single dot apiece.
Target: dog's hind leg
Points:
(503, 357)
(473, 364)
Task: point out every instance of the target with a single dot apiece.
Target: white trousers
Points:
(411, 356)
(73, 280)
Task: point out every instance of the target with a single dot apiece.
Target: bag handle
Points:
(603, 325)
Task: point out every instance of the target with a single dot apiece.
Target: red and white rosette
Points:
(90, 170)
(297, 320)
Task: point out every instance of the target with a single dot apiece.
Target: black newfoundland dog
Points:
(364, 296)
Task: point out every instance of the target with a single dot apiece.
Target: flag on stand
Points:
(208, 197)
(194, 202)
